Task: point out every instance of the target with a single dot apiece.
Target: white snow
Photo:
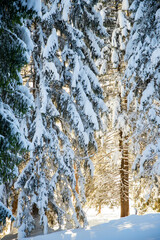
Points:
(114, 58)
(107, 214)
(124, 23)
(35, 5)
(103, 68)
(75, 72)
(49, 67)
(43, 94)
(39, 128)
(85, 137)
(14, 125)
(122, 19)
(52, 44)
(103, 14)
(129, 99)
(139, 13)
(158, 14)
(114, 36)
(122, 44)
(66, 5)
(146, 154)
(125, 5)
(52, 11)
(147, 94)
(1, 191)
(144, 227)
(26, 37)
(155, 57)
(93, 43)
(88, 108)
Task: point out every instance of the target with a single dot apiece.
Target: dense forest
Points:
(79, 110)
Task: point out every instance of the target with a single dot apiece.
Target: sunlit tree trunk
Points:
(76, 177)
(112, 92)
(124, 169)
(99, 208)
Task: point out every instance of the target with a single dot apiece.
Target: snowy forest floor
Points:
(107, 225)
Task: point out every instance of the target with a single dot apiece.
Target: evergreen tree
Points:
(15, 99)
(68, 108)
(136, 108)
(142, 86)
(103, 189)
(4, 211)
(115, 159)
(118, 104)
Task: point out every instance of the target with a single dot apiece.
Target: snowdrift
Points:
(146, 227)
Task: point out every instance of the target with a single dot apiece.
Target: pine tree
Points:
(115, 140)
(142, 86)
(4, 211)
(103, 188)
(138, 105)
(120, 120)
(15, 99)
(68, 107)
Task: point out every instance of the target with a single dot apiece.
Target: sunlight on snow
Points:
(146, 226)
(73, 235)
(125, 225)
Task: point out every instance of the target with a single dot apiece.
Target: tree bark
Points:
(124, 178)
(99, 208)
(76, 176)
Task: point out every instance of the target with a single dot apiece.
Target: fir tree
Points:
(115, 139)
(68, 107)
(15, 99)
(142, 87)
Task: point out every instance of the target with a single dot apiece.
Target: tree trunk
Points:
(124, 170)
(99, 208)
(76, 177)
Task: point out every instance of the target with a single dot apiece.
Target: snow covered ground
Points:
(134, 227)
(105, 216)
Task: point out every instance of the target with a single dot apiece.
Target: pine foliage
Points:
(142, 84)
(15, 99)
(68, 109)
(113, 142)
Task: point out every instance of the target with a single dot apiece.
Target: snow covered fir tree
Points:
(68, 107)
(79, 83)
(142, 87)
(114, 155)
(15, 99)
(122, 104)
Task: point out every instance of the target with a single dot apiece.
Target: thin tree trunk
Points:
(124, 187)
(76, 176)
(99, 208)
(124, 170)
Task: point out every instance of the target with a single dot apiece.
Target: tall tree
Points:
(117, 155)
(15, 99)
(142, 86)
(68, 105)
(119, 39)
